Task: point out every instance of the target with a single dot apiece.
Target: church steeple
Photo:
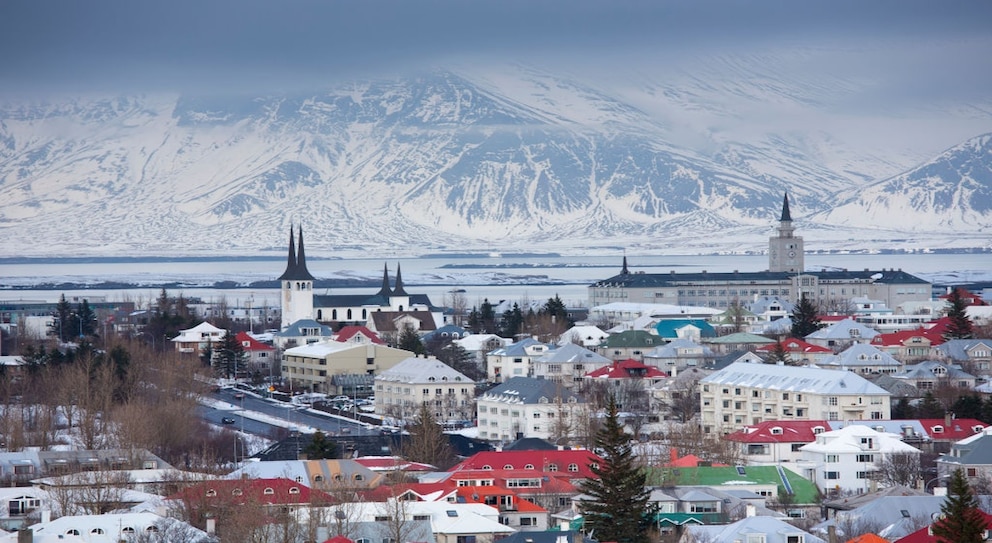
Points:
(624, 270)
(398, 290)
(301, 261)
(291, 259)
(786, 216)
(296, 261)
(385, 291)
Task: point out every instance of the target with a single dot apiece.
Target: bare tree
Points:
(88, 492)
(397, 526)
(900, 468)
(683, 400)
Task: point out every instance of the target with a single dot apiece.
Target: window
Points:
(832, 400)
(866, 458)
(382, 518)
(528, 521)
(268, 491)
(831, 475)
(862, 475)
(465, 539)
(573, 468)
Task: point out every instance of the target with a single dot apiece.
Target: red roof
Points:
(278, 491)
(969, 297)
(833, 318)
(903, 337)
(339, 539)
(956, 431)
(540, 460)
(551, 482)
(779, 431)
(794, 345)
(868, 538)
(348, 332)
(478, 494)
(690, 461)
(250, 344)
(923, 534)
(627, 369)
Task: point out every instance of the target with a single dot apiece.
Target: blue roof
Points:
(668, 328)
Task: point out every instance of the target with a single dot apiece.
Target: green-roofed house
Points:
(629, 344)
(766, 481)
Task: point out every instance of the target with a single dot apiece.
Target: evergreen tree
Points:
(228, 356)
(929, 407)
(779, 355)
(804, 318)
(85, 319)
(409, 340)
(962, 520)
(427, 442)
(902, 410)
(512, 322)
(959, 325)
(968, 406)
(555, 307)
(62, 325)
(618, 506)
(487, 318)
(320, 447)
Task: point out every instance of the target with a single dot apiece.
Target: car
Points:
(227, 420)
(239, 395)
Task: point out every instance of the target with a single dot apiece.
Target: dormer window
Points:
(268, 491)
(776, 431)
(938, 429)
(818, 429)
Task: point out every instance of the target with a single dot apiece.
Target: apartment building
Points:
(527, 407)
(401, 390)
(843, 460)
(745, 393)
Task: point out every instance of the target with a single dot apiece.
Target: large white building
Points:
(527, 407)
(401, 390)
(745, 393)
(842, 460)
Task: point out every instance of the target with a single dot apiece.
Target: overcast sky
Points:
(68, 46)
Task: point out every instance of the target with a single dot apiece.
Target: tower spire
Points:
(624, 270)
(291, 259)
(385, 291)
(301, 261)
(398, 291)
(786, 216)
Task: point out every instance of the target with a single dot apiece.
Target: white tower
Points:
(785, 251)
(296, 285)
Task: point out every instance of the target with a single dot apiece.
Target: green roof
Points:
(805, 491)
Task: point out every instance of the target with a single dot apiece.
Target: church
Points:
(379, 311)
(785, 278)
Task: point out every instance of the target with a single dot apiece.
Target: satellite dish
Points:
(876, 276)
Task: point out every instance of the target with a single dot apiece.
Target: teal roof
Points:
(667, 328)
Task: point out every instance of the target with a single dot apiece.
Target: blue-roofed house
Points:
(515, 359)
(679, 354)
(302, 332)
(841, 334)
(694, 329)
(862, 358)
(975, 354)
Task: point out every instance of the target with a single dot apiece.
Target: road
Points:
(265, 417)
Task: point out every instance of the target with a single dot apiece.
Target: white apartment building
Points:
(842, 460)
(514, 360)
(568, 364)
(402, 389)
(527, 407)
(745, 393)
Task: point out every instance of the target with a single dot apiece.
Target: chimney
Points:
(832, 534)
(750, 510)
(25, 535)
(948, 417)
(211, 525)
(673, 454)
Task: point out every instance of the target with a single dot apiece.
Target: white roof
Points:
(109, 528)
(842, 330)
(321, 349)
(794, 379)
(656, 310)
(422, 370)
(848, 440)
(588, 335)
(477, 342)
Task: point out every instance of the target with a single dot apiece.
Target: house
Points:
(313, 367)
(259, 357)
(931, 375)
(693, 329)
(626, 370)
(889, 515)
(390, 325)
(19, 468)
(907, 345)
(738, 341)
(112, 528)
(302, 332)
(20, 505)
(975, 354)
(798, 351)
(317, 474)
(573, 463)
(863, 359)
(629, 344)
(401, 390)
(479, 345)
(450, 522)
(514, 511)
(586, 335)
(617, 316)
(841, 334)
(354, 333)
(568, 364)
(269, 492)
(771, 442)
(198, 338)
(445, 334)
(925, 534)
(514, 360)
(765, 481)
(745, 393)
(677, 355)
(843, 460)
(973, 455)
(527, 407)
(750, 530)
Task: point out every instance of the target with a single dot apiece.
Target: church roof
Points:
(296, 261)
(786, 215)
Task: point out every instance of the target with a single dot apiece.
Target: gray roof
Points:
(775, 531)
(894, 516)
(672, 280)
(860, 354)
(572, 353)
(527, 390)
(670, 350)
(957, 349)
(925, 370)
(296, 329)
(793, 379)
(422, 370)
(842, 329)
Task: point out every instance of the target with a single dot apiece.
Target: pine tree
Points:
(959, 325)
(409, 340)
(228, 356)
(320, 447)
(962, 520)
(86, 319)
(512, 322)
(62, 326)
(804, 318)
(618, 506)
(779, 355)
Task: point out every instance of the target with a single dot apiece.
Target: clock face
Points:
(792, 254)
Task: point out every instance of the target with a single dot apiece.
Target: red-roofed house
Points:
(514, 511)
(628, 369)
(339, 539)
(357, 334)
(550, 490)
(571, 462)
(924, 535)
(799, 351)
(774, 441)
(259, 356)
(968, 297)
(270, 494)
(908, 345)
(949, 430)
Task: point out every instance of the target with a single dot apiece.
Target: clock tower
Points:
(785, 251)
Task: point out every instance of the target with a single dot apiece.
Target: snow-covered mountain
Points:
(446, 161)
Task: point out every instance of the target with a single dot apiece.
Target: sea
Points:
(495, 277)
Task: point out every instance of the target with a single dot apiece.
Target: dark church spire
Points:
(786, 216)
(398, 291)
(296, 262)
(385, 291)
(624, 270)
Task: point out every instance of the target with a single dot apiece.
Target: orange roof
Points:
(868, 538)
(689, 461)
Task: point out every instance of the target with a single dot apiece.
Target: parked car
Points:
(239, 395)
(227, 420)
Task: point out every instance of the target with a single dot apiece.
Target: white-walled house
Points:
(526, 407)
(842, 460)
(514, 360)
(568, 364)
(194, 340)
(416, 381)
